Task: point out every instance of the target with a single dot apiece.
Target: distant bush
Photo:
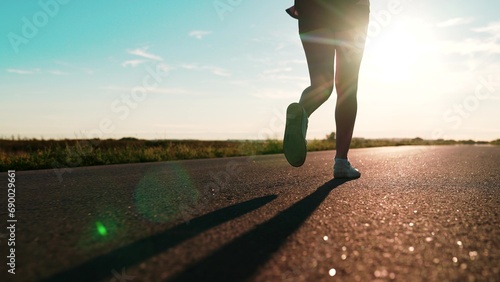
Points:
(25, 154)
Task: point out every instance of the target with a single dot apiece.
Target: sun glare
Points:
(401, 51)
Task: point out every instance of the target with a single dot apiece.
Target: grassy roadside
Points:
(43, 154)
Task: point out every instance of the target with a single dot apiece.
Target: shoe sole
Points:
(294, 143)
(346, 177)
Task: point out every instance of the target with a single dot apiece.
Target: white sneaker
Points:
(294, 142)
(343, 169)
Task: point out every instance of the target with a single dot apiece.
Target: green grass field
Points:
(20, 154)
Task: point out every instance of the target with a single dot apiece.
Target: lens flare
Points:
(101, 229)
(166, 193)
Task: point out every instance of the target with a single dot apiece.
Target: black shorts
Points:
(336, 15)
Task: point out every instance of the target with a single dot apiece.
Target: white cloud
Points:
(489, 43)
(62, 63)
(455, 22)
(115, 88)
(168, 90)
(57, 72)
(132, 63)
(199, 34)
(470, 46)
(36, 71)
(19, 71)
(277, 70)
(276, 94)
(214, 70)
(282, 74)
(157, 90)
(493, 29)
(280, 46)
(142, 52)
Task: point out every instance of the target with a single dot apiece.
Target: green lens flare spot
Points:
(166, 193)
(101, 229)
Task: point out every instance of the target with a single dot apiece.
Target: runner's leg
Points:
(349, 55)
(320, 53)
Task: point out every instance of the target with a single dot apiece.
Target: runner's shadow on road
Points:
(102, 266)
(239, 260)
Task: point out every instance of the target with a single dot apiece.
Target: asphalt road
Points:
(416, 214)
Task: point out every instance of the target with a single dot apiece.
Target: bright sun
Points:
(400, 51)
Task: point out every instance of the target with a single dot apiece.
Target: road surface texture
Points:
(416, 214)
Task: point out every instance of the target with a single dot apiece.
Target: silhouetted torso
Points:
(334, 14)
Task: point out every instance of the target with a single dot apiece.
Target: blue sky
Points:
(227, 70)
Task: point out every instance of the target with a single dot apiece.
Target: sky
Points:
(227, 69)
